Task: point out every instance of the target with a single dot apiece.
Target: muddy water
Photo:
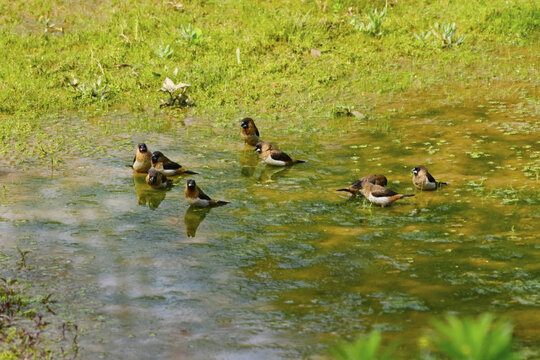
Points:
(290, 265)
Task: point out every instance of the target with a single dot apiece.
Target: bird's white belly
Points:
(429, 185)
(198, 202)
(383, 200)
(167, 172)
(141, 165)
(273, 162)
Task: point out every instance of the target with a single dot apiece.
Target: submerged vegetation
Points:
(29, 327)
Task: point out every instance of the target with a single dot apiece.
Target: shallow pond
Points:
(290, 265)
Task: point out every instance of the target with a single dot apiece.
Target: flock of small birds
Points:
(372, 187)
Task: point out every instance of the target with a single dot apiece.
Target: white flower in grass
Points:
(170, 87)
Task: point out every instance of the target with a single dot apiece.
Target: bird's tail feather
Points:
(299, 161)
(347, 190)
(190, 172)
(408, 195)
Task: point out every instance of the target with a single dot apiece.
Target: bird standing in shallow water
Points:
(249, 131)
(356, 187)
(196, 197)
(142, 162)
(167, 167)
(380, 195)
(157, 180)
(274, 156)
(423, 180)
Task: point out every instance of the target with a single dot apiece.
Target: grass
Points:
(130, 50)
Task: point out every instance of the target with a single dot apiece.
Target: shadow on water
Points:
(291, 265)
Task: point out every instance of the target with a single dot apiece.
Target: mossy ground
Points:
(249, 58)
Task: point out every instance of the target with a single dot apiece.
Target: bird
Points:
(142, 162)
(379, 195)
(145, 194)
(196, 197)
(167, 167)
(157, 180)
(423, 180)
(356, 187)
(274, 156)
(249, 131)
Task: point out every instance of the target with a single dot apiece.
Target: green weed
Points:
(365, 348)
(190, 33)
(164, 52)
(483, 338)
(373, 25)
(445, 34)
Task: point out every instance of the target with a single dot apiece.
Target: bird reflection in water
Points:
(269, 174)
(249, 160)
(145, 194)
(193, 218)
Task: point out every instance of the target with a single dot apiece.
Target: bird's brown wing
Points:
(280, 156)
(170, 165)
(257, 131)
(430, 178)
(357, 184)
(202, 195)
(383, 192)
(134, 159)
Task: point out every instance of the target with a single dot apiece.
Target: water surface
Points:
(290, 265)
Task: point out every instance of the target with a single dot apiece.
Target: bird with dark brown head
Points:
(356, 187)
(166, 166)
(379, 195)
(423, 180)
(196, 197)
(274, 156)
(142, 161)
(249, 131)
(157, 180)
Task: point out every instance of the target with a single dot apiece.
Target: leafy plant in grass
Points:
(177, 94)
(164, 52)
(482, 338)
(190, 33)
(373, 26)
(365, 348)
(423, 37)
(445, 34)
(92, 92)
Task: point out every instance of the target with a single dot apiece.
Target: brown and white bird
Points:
(196, 197)
(249, 131)
(356, 187)
(157, 180)
(423, 180)
(274, 156)
(142, 162)
(379, 195)
(167, 167)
